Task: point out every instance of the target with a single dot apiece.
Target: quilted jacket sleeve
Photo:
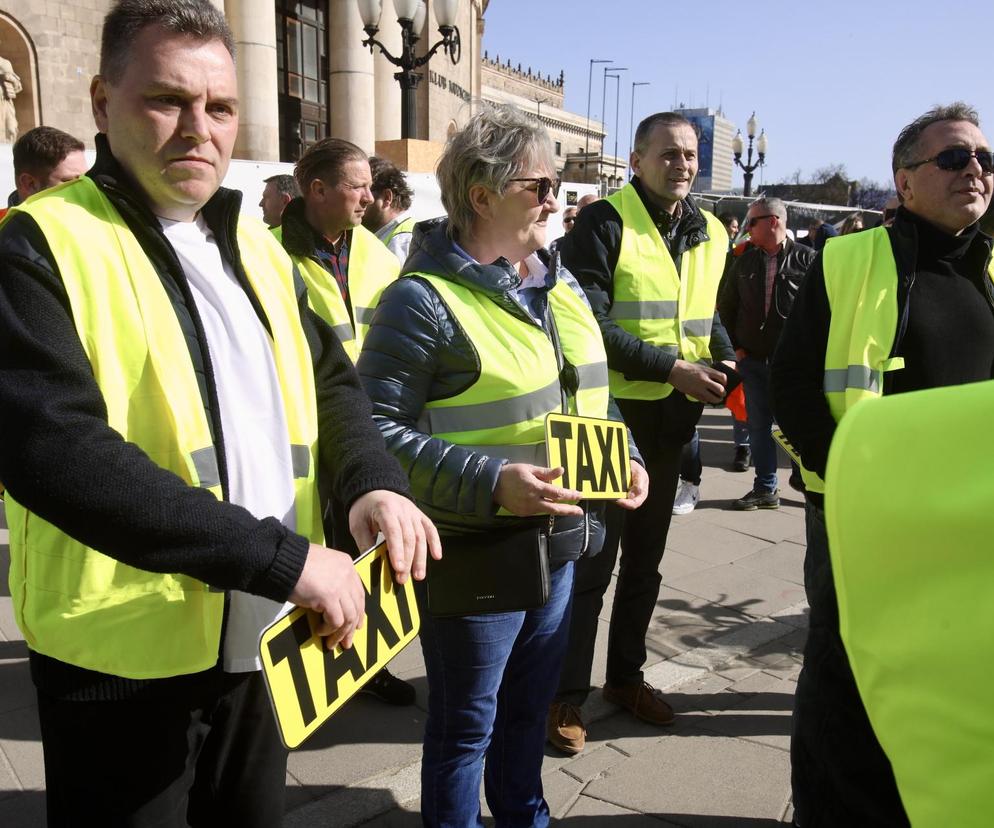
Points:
(415, 352)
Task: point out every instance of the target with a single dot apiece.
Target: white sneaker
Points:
(686, 498)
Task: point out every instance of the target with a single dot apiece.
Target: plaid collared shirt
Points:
(336, 262)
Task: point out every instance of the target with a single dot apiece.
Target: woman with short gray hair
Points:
(482, 337)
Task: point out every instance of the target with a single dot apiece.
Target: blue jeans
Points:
(756, 377)
(491, 679)
(740, 432)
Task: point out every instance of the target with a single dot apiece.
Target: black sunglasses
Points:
(955, 159)
(754, 219)
(543, 186)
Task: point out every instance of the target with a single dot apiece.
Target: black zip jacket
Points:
(742, 296)
(60, 458)
(798, 367)
(416, 352)
(590, 252)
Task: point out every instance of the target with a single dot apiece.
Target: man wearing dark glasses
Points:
(650, 262)
(930, 324)
(757, 292)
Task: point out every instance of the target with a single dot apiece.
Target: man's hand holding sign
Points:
(329, 584)
(308, 677)
(310, 665)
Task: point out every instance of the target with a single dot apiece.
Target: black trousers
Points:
(208, 757)
(839, 773)
(660, 428)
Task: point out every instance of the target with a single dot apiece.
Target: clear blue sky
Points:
(831, 82)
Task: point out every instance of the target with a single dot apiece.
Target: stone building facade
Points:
(302, 69)
(577, 143)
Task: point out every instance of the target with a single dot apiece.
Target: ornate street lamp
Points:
(411, 15)
(748, 168)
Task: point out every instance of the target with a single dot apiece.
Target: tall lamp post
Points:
(607, 69)
(631, 123)
(617, 111)
(748, 168)
(586, 140)
(411, 15)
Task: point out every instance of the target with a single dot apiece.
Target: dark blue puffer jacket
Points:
(416, 351)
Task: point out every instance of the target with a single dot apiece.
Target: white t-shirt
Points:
(255, 435)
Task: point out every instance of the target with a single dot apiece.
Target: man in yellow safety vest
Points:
(168, 400)
(387, 215)
(346, 269)
(344, 266)
(650, 261)
(886, 311)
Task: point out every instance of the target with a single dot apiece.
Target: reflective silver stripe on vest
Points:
(698, 327)
(494, 414)
(855, 376)
(364, 316)
(344, 332)
(533, 453)
(592, 375)
(661, 309)
(205, 462)
(300, 459)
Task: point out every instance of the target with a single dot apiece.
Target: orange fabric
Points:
(736, 403)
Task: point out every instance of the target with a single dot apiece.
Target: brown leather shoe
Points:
(564, 728)
(643, 700)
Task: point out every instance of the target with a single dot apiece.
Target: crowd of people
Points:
(205, 419)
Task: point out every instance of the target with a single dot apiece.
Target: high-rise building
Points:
(714, 174)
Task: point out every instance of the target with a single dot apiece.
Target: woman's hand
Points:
(524, 490)
(638, 490)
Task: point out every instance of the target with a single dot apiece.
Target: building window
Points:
(559, 149)
(302, 74)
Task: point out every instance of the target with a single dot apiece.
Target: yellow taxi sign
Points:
(593, 452)
(307, 682)
(786, 445)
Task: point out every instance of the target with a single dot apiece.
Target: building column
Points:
(387, 86)
(253, 25)
(351, 90)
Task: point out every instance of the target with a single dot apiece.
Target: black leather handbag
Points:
(501, 571)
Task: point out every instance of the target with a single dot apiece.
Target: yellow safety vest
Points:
(861, 285)
(673, 311)
(371, 268)
(72, 602)
(909, 508)
(503, 413)
(406, 226)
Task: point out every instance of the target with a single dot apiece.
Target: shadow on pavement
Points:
(22, 809)
(720, 617)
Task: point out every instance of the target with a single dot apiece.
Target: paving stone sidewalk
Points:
(725, 644)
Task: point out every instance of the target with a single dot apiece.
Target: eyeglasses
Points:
(568, 220)
(754, 219)
(543, 186)
(955, 159)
